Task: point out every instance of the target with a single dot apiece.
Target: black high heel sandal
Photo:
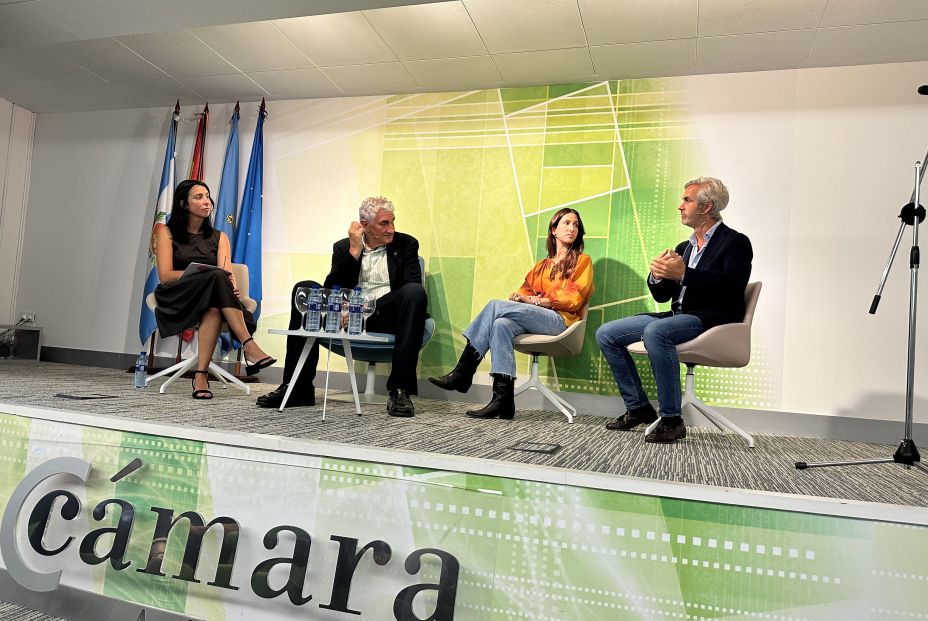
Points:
(251, 369)
(202, 393)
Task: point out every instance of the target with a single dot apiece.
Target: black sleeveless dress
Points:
(183, 302)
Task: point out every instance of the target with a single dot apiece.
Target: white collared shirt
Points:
(375, 276)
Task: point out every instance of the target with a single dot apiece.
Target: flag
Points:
(199, 145)
(147, 322)
(224, 216)
(247, 247)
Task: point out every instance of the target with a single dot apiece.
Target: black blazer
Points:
(402, 264)
(715, 287)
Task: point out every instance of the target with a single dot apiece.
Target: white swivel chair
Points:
(724, 346)
(177, 371)
(564, 345)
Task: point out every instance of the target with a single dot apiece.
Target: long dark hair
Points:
(180, 214)
(566, 267)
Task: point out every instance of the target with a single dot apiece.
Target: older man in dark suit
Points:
(386, 263)
(705, 277)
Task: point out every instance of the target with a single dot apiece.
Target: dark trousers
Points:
(401, 312)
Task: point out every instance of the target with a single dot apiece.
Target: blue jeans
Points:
(501, 321)
(660, 336)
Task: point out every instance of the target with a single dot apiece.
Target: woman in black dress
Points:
(201, 298)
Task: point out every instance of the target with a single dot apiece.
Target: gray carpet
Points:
(704, 457)
(12, 612)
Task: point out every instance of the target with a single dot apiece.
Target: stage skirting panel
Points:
(232, 526)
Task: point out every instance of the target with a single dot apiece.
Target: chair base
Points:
(711, 414)
(177, 371)
(534, 381)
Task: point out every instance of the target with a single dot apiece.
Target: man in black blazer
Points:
(383, 260)
(705, 277)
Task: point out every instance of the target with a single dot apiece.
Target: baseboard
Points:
(753, 421)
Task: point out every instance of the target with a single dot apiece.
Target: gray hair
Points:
(371, 205)
(711, 190)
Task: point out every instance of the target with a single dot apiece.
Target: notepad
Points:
(201, 267)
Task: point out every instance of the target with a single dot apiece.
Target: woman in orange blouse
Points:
(552, 297)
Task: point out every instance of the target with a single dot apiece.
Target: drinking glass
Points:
(368, 306)
(301, 302)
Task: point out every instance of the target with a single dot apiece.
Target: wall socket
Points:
(28, 317)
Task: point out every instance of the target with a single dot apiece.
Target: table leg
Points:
(296, 372)
(325, 393)
(346, 346)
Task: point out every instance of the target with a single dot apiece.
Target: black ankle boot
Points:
(503, 403)
(462, 375)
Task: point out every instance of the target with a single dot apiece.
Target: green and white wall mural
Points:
(476, 177)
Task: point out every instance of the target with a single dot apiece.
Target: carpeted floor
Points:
(704, 457)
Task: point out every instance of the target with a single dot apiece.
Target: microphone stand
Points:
(907, 453)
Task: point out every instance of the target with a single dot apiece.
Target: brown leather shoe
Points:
(668, 431)
(644, 414)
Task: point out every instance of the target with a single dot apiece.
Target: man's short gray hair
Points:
(371, 205)
(711, 190)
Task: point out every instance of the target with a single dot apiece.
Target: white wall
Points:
(823, 156)
(16, 127)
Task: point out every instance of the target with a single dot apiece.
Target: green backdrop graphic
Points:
(476, 177)
(527, 549)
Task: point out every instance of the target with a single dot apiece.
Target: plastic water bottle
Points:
(314, 310)
(333, 315)
(141, 371)
(354, 311)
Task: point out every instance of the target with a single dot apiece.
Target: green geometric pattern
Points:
(477, 175)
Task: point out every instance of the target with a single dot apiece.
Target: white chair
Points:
(724, 346)
(564, 345)
(177, 371)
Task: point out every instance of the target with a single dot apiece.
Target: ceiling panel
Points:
(856, 12)
(257, 46)
(608, 21)
(33, 67)
(383, 78)
(641, 60)
(427, 31)
(455, 73)
(876, 43)
(546, 67)
(341, 39)
(105, 96)
(223, 88)
(179, 54)
(722, 17)
(110, 60)
(754, 52)
(507, 26)
(31, 23)
(295, 83)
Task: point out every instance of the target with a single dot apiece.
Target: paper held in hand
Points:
(201, 267)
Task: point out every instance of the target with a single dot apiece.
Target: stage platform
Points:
(705, 457)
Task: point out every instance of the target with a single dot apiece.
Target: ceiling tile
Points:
(105, 96)
(754, 52)
(295, 83)
(33, 67)
(338, 39)
(474, 72)
(644, 60)
(256, 46)
(546, 67)
(722, 17)
(507, 26)
(855, 12)
(608, 21)
(382, 78)
(428, 31)
(179, 54)
(110, 60)
(874, 43)
(223, 88)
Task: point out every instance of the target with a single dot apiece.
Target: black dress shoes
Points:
(669, 430)
(274, 398)
(644, 414)
(400, 404)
